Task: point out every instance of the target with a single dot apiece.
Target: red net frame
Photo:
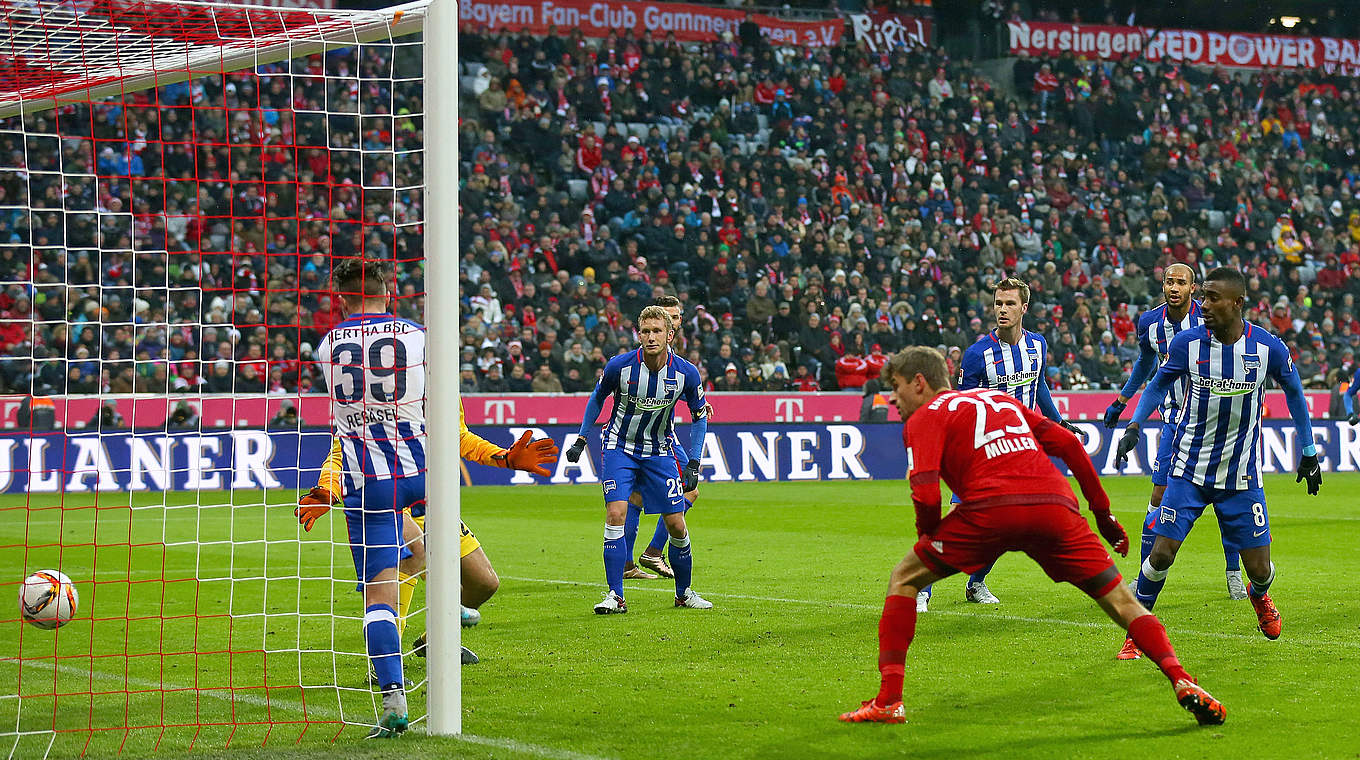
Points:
(180, 596)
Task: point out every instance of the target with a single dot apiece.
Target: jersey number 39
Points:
(349, 359)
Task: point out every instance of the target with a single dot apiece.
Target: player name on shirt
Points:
(1009, 446)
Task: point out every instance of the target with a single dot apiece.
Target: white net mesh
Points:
(176, 182)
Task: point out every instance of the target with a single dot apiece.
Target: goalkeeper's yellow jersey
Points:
(471, 446)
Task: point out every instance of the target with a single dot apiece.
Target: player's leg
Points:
(1064, 545)
(1161, 470)
(375, 529)
(896, 630)
(410, 570)
(1245, 523)
(620, 472)
(923, 596)
(652, 557)
(1181, 506)
(480, 581)
(630, 531)
(1148, 633)
(976, 591)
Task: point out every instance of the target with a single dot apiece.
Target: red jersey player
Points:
(993, 452)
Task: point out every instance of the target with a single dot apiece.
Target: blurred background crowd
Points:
(813, 209)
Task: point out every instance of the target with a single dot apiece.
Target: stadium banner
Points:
(882, 31)
(689, 22)
(74, 463)
(144, 411)
(1186, 46)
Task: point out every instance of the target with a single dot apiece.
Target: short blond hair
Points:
(656, 312)
(917, 360)
(1015, 283)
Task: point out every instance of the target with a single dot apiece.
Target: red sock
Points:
(1150, 636)
(895, 631)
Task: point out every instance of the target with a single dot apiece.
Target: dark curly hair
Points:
(354, 279)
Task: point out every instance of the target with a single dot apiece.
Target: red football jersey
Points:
(991, 450)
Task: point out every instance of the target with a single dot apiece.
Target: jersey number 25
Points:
(997, 402)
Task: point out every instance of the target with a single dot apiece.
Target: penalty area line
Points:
(1305, 641)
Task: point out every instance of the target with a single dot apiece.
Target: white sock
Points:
(612, 532)
(1152, 573)
(680, 543)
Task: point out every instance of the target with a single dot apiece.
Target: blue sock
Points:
(981, 575)
(660, 536)
(384, 644)
(682, 562)
(1231, 562)
(1149, 538)
(615, 557)
(1150, 583)
(927, 589)
(630, 528)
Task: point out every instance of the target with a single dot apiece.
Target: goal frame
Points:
(438, 19)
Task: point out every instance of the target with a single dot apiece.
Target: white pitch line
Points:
(537, 750)
(513, 745)
(979, 614)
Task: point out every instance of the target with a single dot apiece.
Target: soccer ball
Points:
(48, 599)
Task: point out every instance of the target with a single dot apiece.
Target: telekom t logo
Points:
(495, 411)
(788, 410)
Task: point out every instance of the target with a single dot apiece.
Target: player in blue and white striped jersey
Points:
(1156, 328)
(646, 384)
(652, 557)
(1225, 363)
(1348, 398)
(373, 365)
(1010, 359)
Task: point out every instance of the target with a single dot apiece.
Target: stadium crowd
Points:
(813, 209)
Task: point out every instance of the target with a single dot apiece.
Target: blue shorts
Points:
(656, 478)
(1161, 466)
(373, 518)
(1242, 516)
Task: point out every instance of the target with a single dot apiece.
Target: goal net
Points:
(177, 180)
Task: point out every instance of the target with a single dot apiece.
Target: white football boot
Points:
(693, 601)
(1237, 590)
(978, 593)
(612, 604)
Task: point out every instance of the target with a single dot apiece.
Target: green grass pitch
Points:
(797, 573)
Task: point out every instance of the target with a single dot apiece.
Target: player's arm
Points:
(606, 386)
(1348, 398)
(524, 454)
(1176, 366)
(329, 488)
(1287, 375)
(924, 444)
(1044, 397)
(1061, 443)
(698, 430)
(1143, 368)
(970, 368)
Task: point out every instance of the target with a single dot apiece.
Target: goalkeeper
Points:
(479, 580)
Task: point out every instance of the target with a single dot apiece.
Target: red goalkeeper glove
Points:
(313, 507)
(529, 456)
(1113, 533)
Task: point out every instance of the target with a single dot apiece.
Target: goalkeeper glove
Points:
(690, 478)
(1311, 472)
(574, 453)
(529, 456)
(1074, 430)
(1113, 533)
(1354, 419)
(314, 506)
(1126, 444)
(1112, 412)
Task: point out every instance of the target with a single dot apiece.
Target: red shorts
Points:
(1056, 537)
